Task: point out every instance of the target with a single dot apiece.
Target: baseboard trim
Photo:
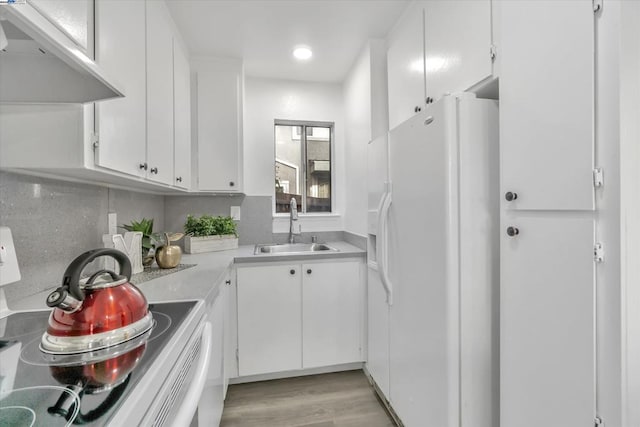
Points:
(298, 373)
(382, 398)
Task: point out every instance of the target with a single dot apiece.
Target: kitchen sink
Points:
(293, 248)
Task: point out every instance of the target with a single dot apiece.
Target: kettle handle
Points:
(71, 277)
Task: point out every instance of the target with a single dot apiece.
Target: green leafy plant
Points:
(145, 226)
(208, 225)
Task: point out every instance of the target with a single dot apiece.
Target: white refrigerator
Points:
(433, 243)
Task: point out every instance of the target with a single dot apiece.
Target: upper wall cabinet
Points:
(181, 116)
(159, 93)
(120, 50)
(219, 105)
(405, 65)
(457, 45)
(437, 47)
(72, 17)
(547, 105)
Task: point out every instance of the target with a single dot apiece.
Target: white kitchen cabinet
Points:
(219, 106)
(547, 104)
(547, 339)
(331, 313)
(457, 45)
(72, 17)
(159, 93)
(120, 51)
(269, 319)
(182, 117)
(212, 398)
(405, 65)
(299, 316)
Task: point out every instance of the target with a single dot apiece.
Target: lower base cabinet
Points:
(299, 316)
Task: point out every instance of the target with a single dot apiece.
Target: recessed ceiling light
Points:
(302, 53)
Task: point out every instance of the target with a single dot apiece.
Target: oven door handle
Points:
(192, 397)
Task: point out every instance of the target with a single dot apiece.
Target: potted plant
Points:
(210, 233)
(149, 240)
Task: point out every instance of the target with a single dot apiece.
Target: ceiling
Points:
(264, 32)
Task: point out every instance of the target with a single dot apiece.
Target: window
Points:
(303, 165)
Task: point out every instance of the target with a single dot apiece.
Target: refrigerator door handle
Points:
(383, 215)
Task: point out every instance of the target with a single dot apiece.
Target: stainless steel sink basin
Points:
(293, 248)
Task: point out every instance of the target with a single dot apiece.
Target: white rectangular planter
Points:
(196, 245)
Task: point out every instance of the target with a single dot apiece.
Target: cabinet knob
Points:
(417, 109)
(154, 170)
(228, 282)
(510, 196)
(231, 183)
(179, 179)
(512, 231)
(309, 271)
(292, 272)
(144, 166)
(429, 100)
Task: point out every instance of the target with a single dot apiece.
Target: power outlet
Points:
(235, 213)
(9, 271)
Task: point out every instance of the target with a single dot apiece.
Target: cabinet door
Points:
(331, 313)
(269, 319)
(73, 17)
(378, 331)
(212, 398)
(457, 45)
(218, 130)
(547, 104)
(182, 115)
(547, 342)
(120, 52)
(159, 93)
(405, 66)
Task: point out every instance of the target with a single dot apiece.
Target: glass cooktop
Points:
(40, 389)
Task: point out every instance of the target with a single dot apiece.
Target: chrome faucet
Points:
(293, 216)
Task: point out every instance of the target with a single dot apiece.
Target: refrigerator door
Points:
(378, 309)
(423, 328)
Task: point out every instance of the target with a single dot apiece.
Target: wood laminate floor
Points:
(342, 399)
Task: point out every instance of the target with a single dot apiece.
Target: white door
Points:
(159, 93)
(405, 66)
(218, 130)
(378, 332)
(182, 117)
(547, 340)
(120, 52)
(547, 104)
(269, 319)
(332, 298)
(457, 45)
(421, 382)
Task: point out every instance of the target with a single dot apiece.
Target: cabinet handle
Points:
(144, 166)
(231, 183)
(512, 231)
(309, 271)
(154, 170)
(179, 179)
(227, 282)
(292, 272)
(510, 196)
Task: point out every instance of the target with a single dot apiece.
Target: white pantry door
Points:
(547, 337)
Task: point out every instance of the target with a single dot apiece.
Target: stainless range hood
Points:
(41, 64)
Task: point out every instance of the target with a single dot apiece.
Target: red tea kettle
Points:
(105, 311)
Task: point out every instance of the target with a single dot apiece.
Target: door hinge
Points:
(597, 5)
(95, 142)
(493, 52)
(598, 422)
(598, 177)
(598, 252)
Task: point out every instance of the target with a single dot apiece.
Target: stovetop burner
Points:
(40, 389)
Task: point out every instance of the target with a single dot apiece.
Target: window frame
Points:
(303, 169)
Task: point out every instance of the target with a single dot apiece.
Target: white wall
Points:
(270, 99)
(365, 106)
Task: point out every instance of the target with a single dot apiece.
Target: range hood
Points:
(41, 64)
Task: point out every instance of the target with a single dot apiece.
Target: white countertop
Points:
(203, 280)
